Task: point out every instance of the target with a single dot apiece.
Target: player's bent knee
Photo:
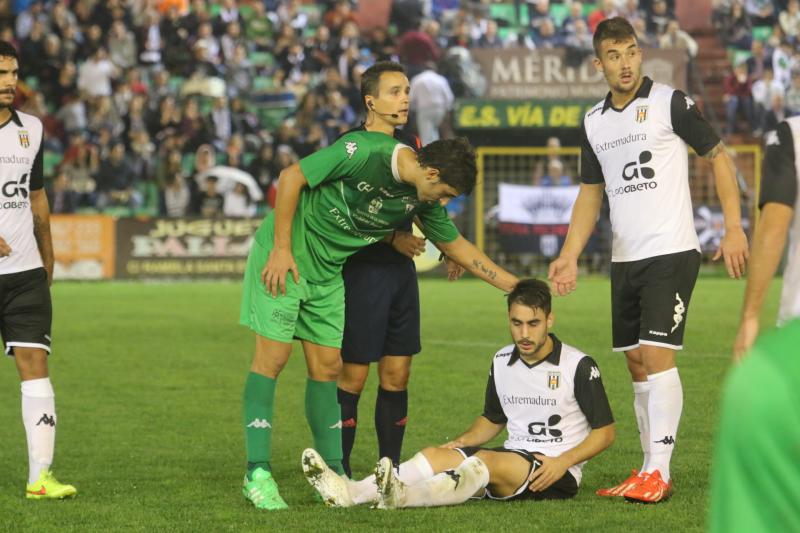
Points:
(442, 459)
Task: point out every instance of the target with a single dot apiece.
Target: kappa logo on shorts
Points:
(680, 309)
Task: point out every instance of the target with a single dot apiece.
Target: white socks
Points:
(641, 395)
(664, 408)
(411, 472)
(451, 487)
(39, 418)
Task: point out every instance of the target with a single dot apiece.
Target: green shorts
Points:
(308, 311)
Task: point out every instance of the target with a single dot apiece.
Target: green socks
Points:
(324, 418)
(259, 399)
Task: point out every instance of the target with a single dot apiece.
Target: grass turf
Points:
(149, 379)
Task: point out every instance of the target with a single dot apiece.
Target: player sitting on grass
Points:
(329, 205)
(549, 397)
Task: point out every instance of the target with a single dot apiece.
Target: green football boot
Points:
(262, 491)
(47, 487)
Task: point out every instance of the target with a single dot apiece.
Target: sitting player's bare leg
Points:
(507, 472)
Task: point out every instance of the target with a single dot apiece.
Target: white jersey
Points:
(640, 154)
(781, 184)
(20, 173)
(549, 407)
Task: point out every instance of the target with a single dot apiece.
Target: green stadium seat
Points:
(175, 83)
(762, 33)
(559, 12)
(187, 164)
(261, 59)
(505, 14)
(50, 160)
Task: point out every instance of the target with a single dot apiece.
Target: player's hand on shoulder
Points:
(454, 270)
(745, 337)
(408, 244)
(552, 469)
(5, 249)
(279, 263)
(563, 275)
(733, 248)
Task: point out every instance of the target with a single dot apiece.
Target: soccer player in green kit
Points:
(330, 204)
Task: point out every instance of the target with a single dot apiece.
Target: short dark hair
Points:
(532, 293)
(455, 161)
(616, 28)
(371, 78)
(8, 50)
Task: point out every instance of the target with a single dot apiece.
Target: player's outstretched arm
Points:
(473, 260)
(480, 432)
(733, 247)
(41, 230)
(554, 468)
(563, 272)
(768, 244)
(281, 260)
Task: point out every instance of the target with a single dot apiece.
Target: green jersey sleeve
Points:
(348, 156)
(437, 226)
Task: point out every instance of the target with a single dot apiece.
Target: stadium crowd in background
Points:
(139, 96)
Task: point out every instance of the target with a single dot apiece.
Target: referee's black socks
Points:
(391, 414)
(349, 405)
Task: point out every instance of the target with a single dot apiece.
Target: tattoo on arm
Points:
(714, 152)
(488, 272)
(40, 232)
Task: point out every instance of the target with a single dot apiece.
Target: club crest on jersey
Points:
(375, 206)
(350, 147)
(24, 139)
(553, 380)
(641, 114)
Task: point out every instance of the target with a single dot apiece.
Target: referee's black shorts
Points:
(650, 300)
(563, 489)
(26, 312)
(381, 311)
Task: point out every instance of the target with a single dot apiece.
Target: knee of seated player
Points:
(393, 372)
(270, 356)
(507, 471)
(353, 377)
(442, 459)
(31, 362)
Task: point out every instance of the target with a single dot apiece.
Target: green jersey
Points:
(756, 474)
(354, 198)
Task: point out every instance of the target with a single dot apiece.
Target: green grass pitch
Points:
(149, 377)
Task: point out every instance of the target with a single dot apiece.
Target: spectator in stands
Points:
(170, 162)
(176, 198)
(32, 49)
(230, 40)
(234, 152)
(103, 115)
(193, 127)
(630, 10)
(259, 28)
(783, 63)
(763, 92)
(575, 14)
(220, 120)
(263, 168)
(205, 158)
(490, 38)
(228, 12)
(644, 37)
(738, 98)
(555, 176)
(151, 42)
(159, 89)
(209, 202)
(761, 12)
(237, 203)
(790, 20)
(734, 26)
(431, 102)
(776, 114)
(759, 59)
(209, 42)
(26, 19)
(337, 17)
(675, 38)
(60, 196)
(605, 9)
(121, 46)
(579, 37)
(793, 96)
(461, 35)
(538, 13)
(659, 17)
(116, 181)
(547, 37)
(418, 48)
(143, 151)
(95, 75)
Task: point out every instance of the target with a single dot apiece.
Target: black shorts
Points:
(26, 312)
(563, 489)
(650, 300)
(381, 311)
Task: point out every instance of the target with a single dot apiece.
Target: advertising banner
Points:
(470, 114)
(83, 246)
(170, 248)
(522, 74)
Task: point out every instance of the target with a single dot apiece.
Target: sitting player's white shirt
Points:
(548, 407)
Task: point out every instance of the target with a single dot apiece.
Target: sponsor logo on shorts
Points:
(658, 333)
